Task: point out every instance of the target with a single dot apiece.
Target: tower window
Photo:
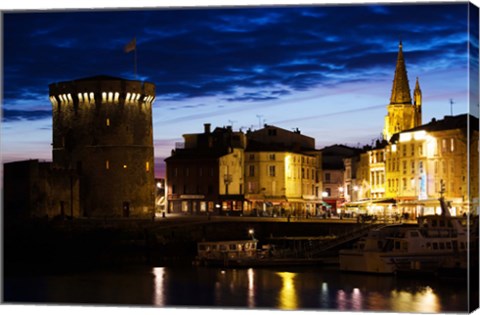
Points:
(107, 164)
(107, 122)
(147, 166)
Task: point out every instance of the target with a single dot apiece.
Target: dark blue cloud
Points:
(207, 52)
(9, 115)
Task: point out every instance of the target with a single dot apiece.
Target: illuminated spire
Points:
(400, 89)
(417, 94)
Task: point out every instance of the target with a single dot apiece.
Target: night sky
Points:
(324, 69)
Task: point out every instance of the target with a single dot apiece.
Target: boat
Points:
(222, 252)
(246, 253)
(434, 243)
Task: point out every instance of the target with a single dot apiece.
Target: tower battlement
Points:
(103, 89)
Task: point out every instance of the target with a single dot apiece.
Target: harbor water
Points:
(300, 288)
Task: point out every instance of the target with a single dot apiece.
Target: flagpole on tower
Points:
(132, 45)
(135, 62)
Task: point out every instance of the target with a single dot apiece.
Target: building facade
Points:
(270, 171)
(282, 173)
(34, 189)
(433, 160)
(205, 173)
(335, 188)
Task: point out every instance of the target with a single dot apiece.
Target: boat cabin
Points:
(227, 249)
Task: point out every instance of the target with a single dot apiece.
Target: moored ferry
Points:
(427, 247)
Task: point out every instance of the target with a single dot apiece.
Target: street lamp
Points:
(324, 194)
(251, 233)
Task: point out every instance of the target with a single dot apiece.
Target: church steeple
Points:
(400, 89)
(402, 113)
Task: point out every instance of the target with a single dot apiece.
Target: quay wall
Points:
(90, 243)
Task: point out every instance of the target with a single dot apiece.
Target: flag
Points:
(132, 45)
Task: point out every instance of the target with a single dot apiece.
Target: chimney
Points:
(206, 128)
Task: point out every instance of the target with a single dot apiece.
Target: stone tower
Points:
(402, 113)
(102, 129)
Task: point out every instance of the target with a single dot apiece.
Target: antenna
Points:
(451, 107)
(231, 122)
(259, 121)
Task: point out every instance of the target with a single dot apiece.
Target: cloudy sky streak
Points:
(322, 69)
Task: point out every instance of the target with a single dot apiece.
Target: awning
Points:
(357, 203)
(385, 201)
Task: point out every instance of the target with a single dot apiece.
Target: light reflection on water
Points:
(158, 296)
(299, 288)
(251, 288)
(424, 301)
(287, 299)
(289, 290)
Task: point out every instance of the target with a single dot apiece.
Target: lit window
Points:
(124, 165)
(107, 164)
(147, 166)
(251, 170)
(110, 96)
(452, 145)
(271, 170)
(104, 97)
(444, 145)
(107, 122)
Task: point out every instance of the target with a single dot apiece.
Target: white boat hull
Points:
(388, 263)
